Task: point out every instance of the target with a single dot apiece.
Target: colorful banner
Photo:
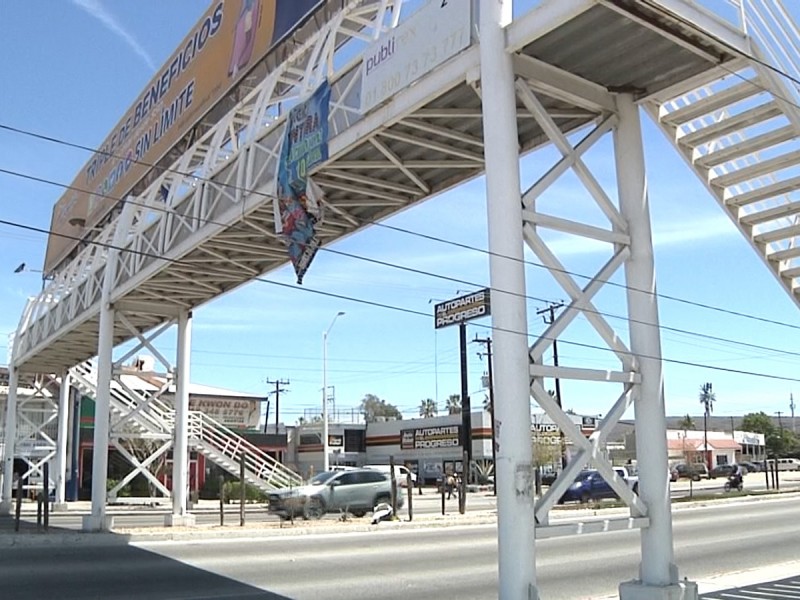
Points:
(228, 41)
(299, 199)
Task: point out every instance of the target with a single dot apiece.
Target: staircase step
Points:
(768, 191)
(771, 214)
(746, 148)
(716, 101)
(782, 233)
(759, 114)
(791, 273)
(763, 167)
(786, 254)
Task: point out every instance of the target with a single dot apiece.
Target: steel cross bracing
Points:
(36, 435)
(588, 451)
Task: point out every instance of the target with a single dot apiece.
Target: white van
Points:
(784, 464)
(401, 472)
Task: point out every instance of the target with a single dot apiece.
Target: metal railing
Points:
(211, 437)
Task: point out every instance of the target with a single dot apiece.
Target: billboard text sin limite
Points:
(229, 39)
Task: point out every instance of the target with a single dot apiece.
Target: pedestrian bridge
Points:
(718, 78)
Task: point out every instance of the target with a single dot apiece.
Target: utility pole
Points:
(548, 316)
(707, 400)
(487, 343)
(278, 389)
(466, 409)
(791, 407)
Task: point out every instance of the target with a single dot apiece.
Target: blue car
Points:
(589, 485)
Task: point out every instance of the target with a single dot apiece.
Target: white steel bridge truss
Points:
(215, 228)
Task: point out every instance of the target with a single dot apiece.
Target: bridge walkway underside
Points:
(572, 55)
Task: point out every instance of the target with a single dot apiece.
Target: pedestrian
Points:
(451, 484)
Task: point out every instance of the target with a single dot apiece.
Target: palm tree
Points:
(707, 399)
(686, 422)
(428, 408)
(454, 404)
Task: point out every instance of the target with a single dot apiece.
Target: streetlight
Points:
(325, 449)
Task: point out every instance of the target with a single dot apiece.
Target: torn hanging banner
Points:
(299, 201)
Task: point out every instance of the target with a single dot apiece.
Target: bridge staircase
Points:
(738, 128)
(139, 415)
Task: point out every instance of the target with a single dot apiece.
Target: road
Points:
(445, 562)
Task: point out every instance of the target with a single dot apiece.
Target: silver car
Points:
(356, 491)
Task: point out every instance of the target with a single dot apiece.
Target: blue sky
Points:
(71, 68)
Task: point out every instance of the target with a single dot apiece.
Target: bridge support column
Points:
(658, 576)
(98, 520)
(180, 448)
(515, 502)
(60, 474)
(6, 500)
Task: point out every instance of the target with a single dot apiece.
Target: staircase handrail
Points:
(156, 418)
(258, 463)
(771, 25)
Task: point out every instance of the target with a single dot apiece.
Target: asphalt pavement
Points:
(766, 582)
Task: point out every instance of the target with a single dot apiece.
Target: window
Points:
(349, 479)
(355, 440)
(372, 477)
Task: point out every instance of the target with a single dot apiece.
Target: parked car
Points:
(356, 491)
(589, 485)
(751, 466)
(721, 471)
(695, 472)
(784, 464)
(630, 475)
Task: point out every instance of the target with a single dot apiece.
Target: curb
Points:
(125, 536)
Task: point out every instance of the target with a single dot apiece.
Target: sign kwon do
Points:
(463, 308)
(426, 438)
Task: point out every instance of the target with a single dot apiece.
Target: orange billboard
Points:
(230, 38)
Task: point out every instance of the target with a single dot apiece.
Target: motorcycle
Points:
(734, 482)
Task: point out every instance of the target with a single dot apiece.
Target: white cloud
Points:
(99, 12)
(665, 235)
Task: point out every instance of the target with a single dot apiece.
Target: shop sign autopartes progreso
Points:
(227, 42)
(436, 32)
(463, 308)
(427, 438)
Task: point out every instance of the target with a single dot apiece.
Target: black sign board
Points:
(463, 308)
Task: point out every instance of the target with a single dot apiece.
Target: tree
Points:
(428, 408)
(454, 404)
(373, 407)
(779, 442)
(758, 423)
(707, 399)
(686, 422)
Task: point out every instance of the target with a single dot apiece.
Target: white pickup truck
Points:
(629, 474)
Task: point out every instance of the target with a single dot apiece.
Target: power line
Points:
(419, 313)
(435, 275)
(437, 239)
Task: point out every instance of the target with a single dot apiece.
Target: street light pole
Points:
(325, 447)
